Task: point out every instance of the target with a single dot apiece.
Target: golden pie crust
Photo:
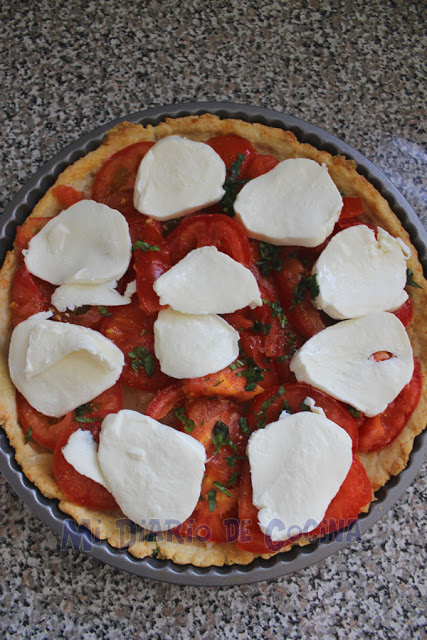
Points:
(36, 461)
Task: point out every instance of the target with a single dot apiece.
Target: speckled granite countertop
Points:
(354, 68)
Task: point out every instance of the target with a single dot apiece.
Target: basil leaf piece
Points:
(29, 435)
(211, 496)
(80, 413)
(270, 258)
(187, 423)
(144, 246)
(141, 357)
(310, 284)
(353, 411)
(410, 280)
(231, 186)
(221, 487)
(233, 478)
(104, 311)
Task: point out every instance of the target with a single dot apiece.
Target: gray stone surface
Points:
(355, 68)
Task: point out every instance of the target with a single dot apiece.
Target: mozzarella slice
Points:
(70, 296)
(190, 346)
(208, 281)
(340, 360)
(296, 203)
(88, 243)
(58, 366)
(154, 472)
(358, 274)
(297, 467)
(81, 451)
(178, 176)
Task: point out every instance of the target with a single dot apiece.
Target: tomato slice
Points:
(132, 331)
(41, 428)
(115, 181)
(352, 207)
(165, 400)
(225, 383)
(67, 196)
(151, 259)
(405, 313)
(229, 147)
(30, 295)
(259, 165)
(354, 494)
(267, 407)
(213, 229)
(26, 231)
(77, 487)
(216, 426)
(303, 314)
(379, 431)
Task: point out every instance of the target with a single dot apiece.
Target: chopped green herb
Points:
(253, 375)
(156, 552)
(309, 284)
(243, 424)
(81, 310)
(353, 411)
(141, 357)
(80, 413)
(144, 246)
(270, 258)
(187, 423)
(277, 311)
(304, 407)
(221, 435)
(104, 311)
(410, 280)
(151, 536)
(231, 460)
(221, 487)
(233, 478)
(231, 186)
(211, 496)
(29, 435)
(260, 327)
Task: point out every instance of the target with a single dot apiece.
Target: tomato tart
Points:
(193, 298)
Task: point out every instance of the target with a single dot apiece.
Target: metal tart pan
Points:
(165, 570)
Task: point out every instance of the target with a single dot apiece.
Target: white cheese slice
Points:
(154, 472)
(178, 176)
(208, 281)
(297, 467)
(70, 296)
(296, 203)
(358, 274)
(59, 366)
(88, 243)
(340, 361)
(190, 346)
(81, 451)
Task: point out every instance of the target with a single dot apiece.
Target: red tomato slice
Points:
(267, 407)
(86, 316)
(303, 315)
(225, 383)
(67, 196)
(29, 295)
(260, 165)
(42, 429)
(167, 399)
(405, 313)
(30, 228)
(115, 181)
(216, 426)
(354, 494)
(229, 146)
(132, 331)
(213, 229)
(379, 431)
(77, 487)
(151, 259)
(352, 207)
